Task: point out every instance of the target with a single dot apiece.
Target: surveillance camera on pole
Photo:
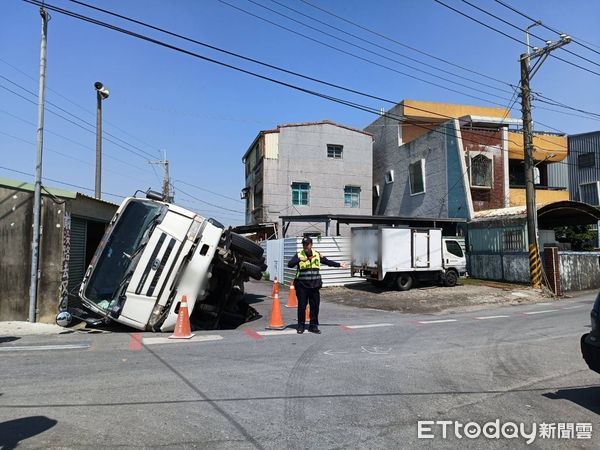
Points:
(102, 93)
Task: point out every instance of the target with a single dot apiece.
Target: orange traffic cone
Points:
(307, 316)
(275, 287)
(276, 321)
(183, 329)
(292, 300)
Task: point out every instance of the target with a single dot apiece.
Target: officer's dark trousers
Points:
(312, 297)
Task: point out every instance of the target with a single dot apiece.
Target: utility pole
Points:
(37, 192)
(166, 177)
(527, 72)
(101, 94)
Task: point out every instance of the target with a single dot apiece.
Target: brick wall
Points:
(552, 269)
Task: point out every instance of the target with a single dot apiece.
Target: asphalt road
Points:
(364, 383)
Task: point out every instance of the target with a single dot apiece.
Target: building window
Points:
(586, 160)
(389, 177)
(416, 174)
(513, 240)
(376, 191)
(352, 197)
(335, 151)
(300, 194)
(481, 171)
(258, 194)
(588, 193)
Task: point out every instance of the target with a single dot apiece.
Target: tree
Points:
(581, 237)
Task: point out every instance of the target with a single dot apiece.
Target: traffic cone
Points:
(183, 329)
(292, 300)
(275, 287)
(276, 320)
(307, 315)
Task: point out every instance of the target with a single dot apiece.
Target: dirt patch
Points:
(432, 299)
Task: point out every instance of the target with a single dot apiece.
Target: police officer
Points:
(308, 282)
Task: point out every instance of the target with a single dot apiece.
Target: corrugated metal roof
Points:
(24, 186)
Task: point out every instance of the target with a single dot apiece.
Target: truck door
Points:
(420, 248)
(454, 255)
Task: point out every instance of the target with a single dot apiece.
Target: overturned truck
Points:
(152, 254)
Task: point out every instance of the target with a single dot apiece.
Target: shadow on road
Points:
(254, 298)
(588, 397)
(4, 339)
(13, 432)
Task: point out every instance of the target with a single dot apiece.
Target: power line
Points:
(162, 30)
(207, 190)
(404, 45)
(239, 69)
(329, 25)
(509, 36)
(207, 203)
(367, 60)
(575, 40)
(60, 182)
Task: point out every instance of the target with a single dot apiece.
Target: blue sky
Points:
(206, 116)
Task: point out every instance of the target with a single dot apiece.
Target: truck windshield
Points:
(129, 233)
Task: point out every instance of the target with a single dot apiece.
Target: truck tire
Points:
(404, 282)
(245, 246)
(252, 270)
(450, 278)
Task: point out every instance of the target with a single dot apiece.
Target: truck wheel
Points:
(252, 270)
(450, 278)
(404, 282)
(245, 246)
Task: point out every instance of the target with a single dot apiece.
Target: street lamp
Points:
(101, 94)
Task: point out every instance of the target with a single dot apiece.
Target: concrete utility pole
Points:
(37, 192)
(527, 72)
(166, 177)
(101, 94)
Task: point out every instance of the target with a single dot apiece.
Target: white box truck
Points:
(398, 257)
(153, 253)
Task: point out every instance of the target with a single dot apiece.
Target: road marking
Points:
(275, 332)
(573, 307)
(437, 321)
(370, 325)
(491, 317)
(540, 312)
(166, 340)
(135, 343)
(252, 334)
(332, 352)
(37, 348)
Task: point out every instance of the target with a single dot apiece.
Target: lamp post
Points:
(101, 94)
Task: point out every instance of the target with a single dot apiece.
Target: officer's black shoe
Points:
(300, 329)
(314, 329)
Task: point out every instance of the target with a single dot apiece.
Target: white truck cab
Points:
(153, 253)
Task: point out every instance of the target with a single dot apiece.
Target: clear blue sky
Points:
(206, 116)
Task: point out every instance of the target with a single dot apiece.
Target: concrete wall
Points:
(579, 270)
(303, 158)
(511, 267)
(16, 218)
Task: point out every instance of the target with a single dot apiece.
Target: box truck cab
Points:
(153, 253)
(399, 257)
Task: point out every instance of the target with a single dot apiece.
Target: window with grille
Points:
(513, 240)
(416, 173)
(335, 151)
(481, 171)
(300, 194)
(352, 197)
(588, 193)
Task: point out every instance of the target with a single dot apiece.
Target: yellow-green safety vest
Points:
(309, 270)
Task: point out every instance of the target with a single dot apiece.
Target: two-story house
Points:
(305, 169)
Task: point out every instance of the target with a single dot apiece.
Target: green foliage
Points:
(581, 237)
(266, 276)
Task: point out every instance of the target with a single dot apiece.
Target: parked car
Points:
(590, 342)
(155, 252)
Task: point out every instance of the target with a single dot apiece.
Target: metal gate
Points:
(77, 254)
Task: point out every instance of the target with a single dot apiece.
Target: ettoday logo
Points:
(430, 429)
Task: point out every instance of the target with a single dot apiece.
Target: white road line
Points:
(37, 348)
(370, 325)
(275, 332)
(437, 321)
(573, 307)
(166, 340)
(491, 317)
(540, 312)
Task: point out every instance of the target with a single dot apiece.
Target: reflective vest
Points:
(309, 270)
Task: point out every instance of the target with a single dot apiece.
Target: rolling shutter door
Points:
(77, 256)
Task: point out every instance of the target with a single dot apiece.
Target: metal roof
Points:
(358, 218)
(556, 214)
